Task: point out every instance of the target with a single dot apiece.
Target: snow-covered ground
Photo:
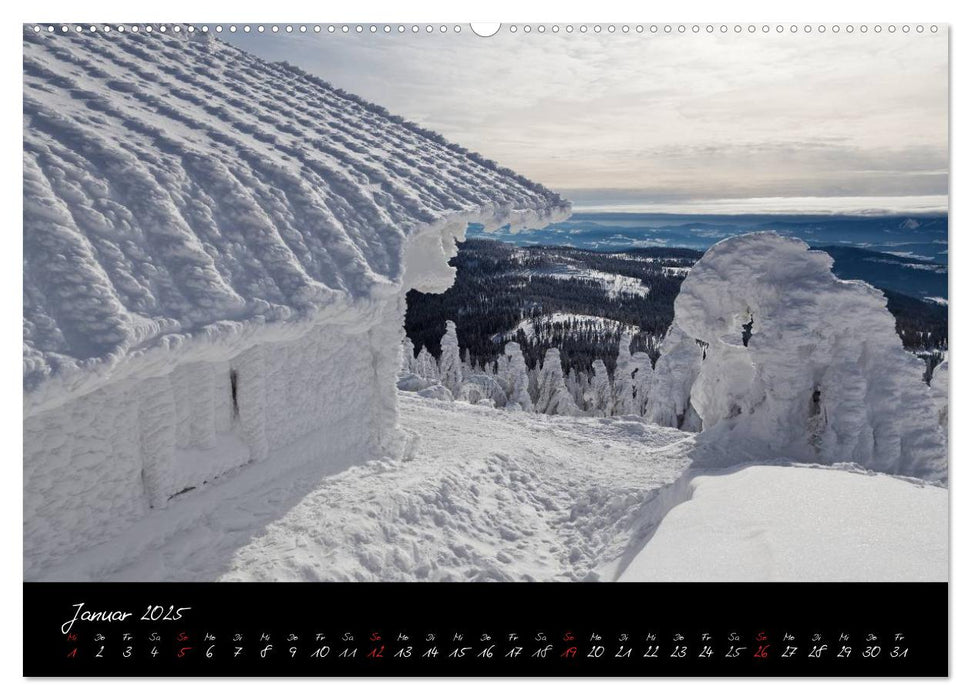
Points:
(770, 523)
(614, 284)
(485, 494)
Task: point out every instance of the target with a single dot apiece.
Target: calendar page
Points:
(436, 349)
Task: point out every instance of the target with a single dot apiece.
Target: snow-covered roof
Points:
(178, 188)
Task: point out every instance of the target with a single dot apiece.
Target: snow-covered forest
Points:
(581, 301)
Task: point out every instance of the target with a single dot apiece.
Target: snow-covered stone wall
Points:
(216, 252)
(768, 348)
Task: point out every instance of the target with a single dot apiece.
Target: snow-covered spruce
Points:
(643, 380)
(426, 366)
(599, 398)
(407, 355)
(776, 352)
(517, 378)
(623, 399)
(939, 390)
(216, 250)
(553, 397)
(450, 362)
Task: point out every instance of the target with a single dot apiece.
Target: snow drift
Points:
(216, 251)
(797, 523)
(769, 348)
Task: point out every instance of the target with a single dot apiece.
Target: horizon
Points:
(865, 207)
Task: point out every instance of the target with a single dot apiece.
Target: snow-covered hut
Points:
(216, 252)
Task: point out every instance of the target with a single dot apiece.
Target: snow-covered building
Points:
(216, 252)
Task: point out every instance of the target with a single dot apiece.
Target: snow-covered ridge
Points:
(183, 195)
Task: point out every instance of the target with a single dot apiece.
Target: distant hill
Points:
(906, 275)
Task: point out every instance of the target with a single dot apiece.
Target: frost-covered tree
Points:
(450, 362)
(533, 375)
(502, 367)
(623, 399)
(517, 378)
(600, 396)
(553, 397)
(425, 365)
(577, 383)
(939, 390)
(643, 379)
(800, 364)
(407, 355)
(669, 397)
(468, 366)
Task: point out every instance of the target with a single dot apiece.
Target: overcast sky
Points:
(627, 121)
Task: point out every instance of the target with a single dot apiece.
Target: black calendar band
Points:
(485, 629)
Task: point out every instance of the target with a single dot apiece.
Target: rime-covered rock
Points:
(437, 392)
(481, 388)
(409, 381)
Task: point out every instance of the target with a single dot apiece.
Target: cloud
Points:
(687, 115)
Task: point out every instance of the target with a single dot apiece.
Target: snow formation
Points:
(216, 251)
(793, 523)
(770, 348)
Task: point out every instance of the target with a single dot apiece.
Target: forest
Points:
(581, 302)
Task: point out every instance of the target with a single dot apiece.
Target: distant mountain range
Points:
(921, 237)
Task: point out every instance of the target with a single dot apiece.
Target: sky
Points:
(648, 122)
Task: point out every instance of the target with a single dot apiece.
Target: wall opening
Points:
(234, 391)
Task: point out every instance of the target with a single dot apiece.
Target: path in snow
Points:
(490, 495)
